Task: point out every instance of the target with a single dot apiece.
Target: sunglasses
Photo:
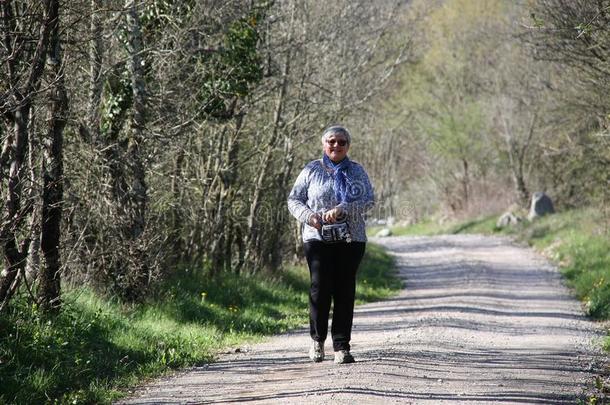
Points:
(340, 142)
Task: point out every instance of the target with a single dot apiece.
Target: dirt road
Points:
(480, 320)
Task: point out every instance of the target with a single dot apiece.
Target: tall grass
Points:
(96, 347)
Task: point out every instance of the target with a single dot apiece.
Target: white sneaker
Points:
(344, 357)
(316, 352)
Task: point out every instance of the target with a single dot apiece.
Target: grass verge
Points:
(96, 348)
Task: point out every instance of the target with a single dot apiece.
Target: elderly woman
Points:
(329, 198)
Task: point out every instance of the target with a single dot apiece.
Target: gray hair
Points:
(336, 130)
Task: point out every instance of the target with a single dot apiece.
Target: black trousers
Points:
(332, 268)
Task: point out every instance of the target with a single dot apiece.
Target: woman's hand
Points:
(315, 220)
(334, 215)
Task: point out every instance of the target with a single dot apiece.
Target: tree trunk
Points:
(96, 53)
(282, 190)
(49, 287)
(517, 157)
(519, 180)
(137, 124)
(219, 194)
(176, 210)
(465, 184)
(521, 187)
(13, 257)
(19, 113)
(32, 266)
(252, 234)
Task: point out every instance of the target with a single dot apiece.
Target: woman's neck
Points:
(337, 161)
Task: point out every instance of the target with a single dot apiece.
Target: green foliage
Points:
(572, 36)
(95, 347)
(117, 100)
(232, 70)
(580, 176)
(445, 96)
(158, 13)
(455, 131)
(241, 54)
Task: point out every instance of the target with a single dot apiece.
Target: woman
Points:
(328, 199)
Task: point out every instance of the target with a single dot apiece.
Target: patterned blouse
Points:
(314, 192)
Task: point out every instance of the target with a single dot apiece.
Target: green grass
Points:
(376, 277)
(426, 227)
(486, 224)
(97, 348)
(429, 227)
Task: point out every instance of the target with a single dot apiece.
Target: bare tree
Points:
(192, 119)
(23, 62)
(573, 36)
(52, 171)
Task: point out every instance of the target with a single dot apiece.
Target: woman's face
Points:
(336, 147)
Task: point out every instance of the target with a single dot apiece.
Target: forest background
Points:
(140, 137)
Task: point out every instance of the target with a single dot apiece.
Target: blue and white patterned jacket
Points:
(313, 192)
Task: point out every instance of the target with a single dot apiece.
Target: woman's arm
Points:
(297, 200)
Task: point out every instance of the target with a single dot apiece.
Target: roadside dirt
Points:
(480, 320)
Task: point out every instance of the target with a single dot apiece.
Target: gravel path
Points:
(481, 320)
